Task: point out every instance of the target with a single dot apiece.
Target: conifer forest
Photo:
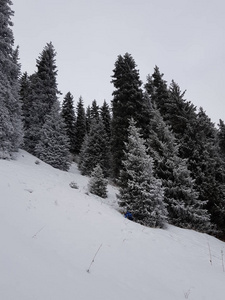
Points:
(165, 156)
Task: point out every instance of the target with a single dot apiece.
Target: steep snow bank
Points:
(50, 234)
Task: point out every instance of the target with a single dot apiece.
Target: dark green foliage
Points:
(97, 183)
(68, 115)
(80, 131)
(11, 132)
(221, 138)
(94, 112)
(156, 88)
(127, 102)
(185, 210)
(207, 167)
(95, 150)
(106, 118)
(53, 145)
(88, 119)
(140, 192)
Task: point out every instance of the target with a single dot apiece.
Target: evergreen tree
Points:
(88, 119)
(127, 102)
(221, 138)
(207, 167)
(97, 183)
(53, 145)
(140, 192)
(24, 97)
(95, 150)
(11, 132)
(80, 131)
(68, 115)
(184, 208)
(106, 118)
(94, 113)
(43, 94)
(156, 88)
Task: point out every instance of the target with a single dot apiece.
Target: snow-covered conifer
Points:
(97, 183)
(140, 192)
(11, 132)
(53, 146)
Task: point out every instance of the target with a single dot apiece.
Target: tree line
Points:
(166, 157)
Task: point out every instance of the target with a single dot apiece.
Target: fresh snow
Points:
(52, 234)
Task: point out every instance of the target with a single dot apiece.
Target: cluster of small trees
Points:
(167, 158)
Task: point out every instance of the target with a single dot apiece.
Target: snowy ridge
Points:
(50, 234)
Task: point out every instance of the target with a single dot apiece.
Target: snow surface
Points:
(51, 234)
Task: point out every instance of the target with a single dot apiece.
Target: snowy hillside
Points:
(50, 234)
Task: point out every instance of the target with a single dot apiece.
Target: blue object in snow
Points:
(128, 215)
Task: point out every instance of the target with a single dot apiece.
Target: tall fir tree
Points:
(95, 111)
(11, 130)
(53, 145)
(80, 128)
(221, 138)
(140, 192)
(128, 102)
(43, 95)
(88, 119)
(106, 118)
(157, 89)
(184, 208)
(68, 115)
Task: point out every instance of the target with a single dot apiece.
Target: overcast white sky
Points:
(185, 38)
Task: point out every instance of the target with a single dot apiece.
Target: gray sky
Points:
(184, 38)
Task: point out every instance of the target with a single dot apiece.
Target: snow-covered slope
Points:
(52, 234)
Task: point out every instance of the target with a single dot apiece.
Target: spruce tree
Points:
(156, 88)
(94, 113)
(80, 128)
(127, 103)
(140, 192)
(97, 183)
(88, 119)
(11, 132)
(68, 115)
(106, 118)
(184, 208)
(95, 150)
(53, 145)
(43, 95)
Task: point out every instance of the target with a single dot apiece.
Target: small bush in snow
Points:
(73, 185)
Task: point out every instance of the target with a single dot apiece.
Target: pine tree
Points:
(156, 88)
(43, 95)
(88, 119)
(95, 150)
(127, 103)
(140, 192)
(80, 128)
(184, 208)
(106, 118)
(24, 97)
(11, 132)
(221, 138)
(53, 146)
(68, 115)
(207, 167)
(94, 113)
(97, 183)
